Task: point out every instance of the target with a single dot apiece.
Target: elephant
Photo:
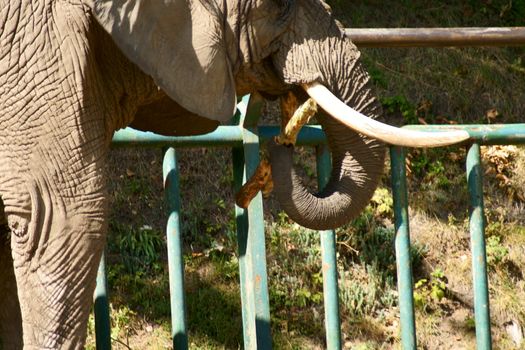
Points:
(74, 71)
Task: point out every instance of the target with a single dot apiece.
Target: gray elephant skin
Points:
(73, 71)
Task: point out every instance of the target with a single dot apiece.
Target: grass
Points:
(415, 86)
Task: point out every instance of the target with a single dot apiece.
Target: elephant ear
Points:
(180, 44)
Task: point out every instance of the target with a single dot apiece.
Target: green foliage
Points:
(138, 249)
(383, 202)
(365, 289)
(292, 286)
(376, 243)
(496, 251)
(226, 265)
(121, 320)
(368, 281)
(470, 323)
(147, 292)
(428, 291)
(365, 346)
(512, 12)
(518, 65)
(433, 167)
(400, 104)
(91, 332)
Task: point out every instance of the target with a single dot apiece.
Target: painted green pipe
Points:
(479, 256)
(224, 136)
(310, 135)
(241, 220)
(329, 262)
(495, 134)
(250, 237)
(256, 244)
(402, 244)
(175, 255)
(101, 308)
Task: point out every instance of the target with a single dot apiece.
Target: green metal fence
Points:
(244, 137)
(479, 135)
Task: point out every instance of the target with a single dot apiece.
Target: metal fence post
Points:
(251, 239)
(101, 308)
(175, 257)
(329, 262)
(404, 266)
(477, 241)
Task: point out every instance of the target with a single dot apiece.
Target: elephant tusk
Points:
(377, 130)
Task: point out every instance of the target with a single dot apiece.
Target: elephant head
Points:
(204, 53)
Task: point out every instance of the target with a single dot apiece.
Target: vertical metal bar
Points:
(256, 249)
(329, 262)
(404, 268)
(241, 217)
(175, 258)
(479, 257)
(251, 240)
(102, 321)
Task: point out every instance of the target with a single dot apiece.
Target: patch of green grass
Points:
(214, 313)
(139, 249)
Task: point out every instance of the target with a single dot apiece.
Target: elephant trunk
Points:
(357, 167)
(317, 51)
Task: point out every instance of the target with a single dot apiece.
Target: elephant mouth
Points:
(377, 130)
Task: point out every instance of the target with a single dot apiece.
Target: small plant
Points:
(147, 292)
(304, 297)
(383, 202)
(365, 290)
(139, 249)
(427, 291)
(226, 265)
(470, 323)
(496, 251)
(400, 104)
(121, 322)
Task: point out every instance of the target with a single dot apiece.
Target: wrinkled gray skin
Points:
(66, 86)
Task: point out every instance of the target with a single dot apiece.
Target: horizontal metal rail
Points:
(436, 37)
(495, 134)
(224, 136)
(310, 135)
